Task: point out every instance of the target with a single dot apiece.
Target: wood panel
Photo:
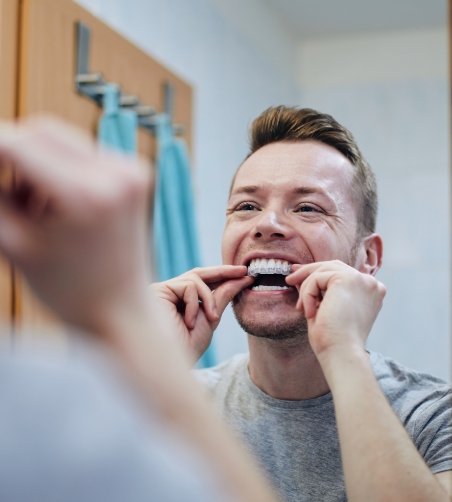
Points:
(47, 84)
(9, 22)
(49, 59)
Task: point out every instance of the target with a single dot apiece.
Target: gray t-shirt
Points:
(297, 441)
(72, 430)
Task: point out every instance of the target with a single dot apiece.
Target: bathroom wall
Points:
(391, 90)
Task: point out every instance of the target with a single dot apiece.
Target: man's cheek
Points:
(226, 252)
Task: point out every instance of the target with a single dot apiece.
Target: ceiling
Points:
(323, 18)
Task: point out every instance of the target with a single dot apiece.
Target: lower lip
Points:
(270, 291)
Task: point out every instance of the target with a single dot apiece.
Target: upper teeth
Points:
(271, 266)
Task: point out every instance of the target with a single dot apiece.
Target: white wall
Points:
(240, 59)
(391, 91)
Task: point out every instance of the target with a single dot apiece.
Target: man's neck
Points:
(286, 369)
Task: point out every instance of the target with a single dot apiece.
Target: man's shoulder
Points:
(408, 389)
(224, 372)
(423, 403)
(390, 371)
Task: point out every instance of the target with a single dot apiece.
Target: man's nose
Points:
(272, 225)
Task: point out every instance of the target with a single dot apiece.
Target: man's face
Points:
(292, 202)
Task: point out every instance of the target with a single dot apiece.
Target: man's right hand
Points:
(194, 302)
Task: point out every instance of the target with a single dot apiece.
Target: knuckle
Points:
(130, 189)
(189, 277)
(371, 282)
(125, 178)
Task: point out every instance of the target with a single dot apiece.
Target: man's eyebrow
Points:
(302, 190)
(245, 189)
(307, 190)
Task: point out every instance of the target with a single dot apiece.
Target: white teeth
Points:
(269, 288)
(271, 266)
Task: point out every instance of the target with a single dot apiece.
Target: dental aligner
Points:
(268, 266)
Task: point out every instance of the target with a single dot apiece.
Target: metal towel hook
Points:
(92, 85)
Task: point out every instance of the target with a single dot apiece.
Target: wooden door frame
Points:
(9, 67)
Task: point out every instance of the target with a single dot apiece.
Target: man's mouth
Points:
(269, 274)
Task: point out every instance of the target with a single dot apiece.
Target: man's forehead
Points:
(292, 161)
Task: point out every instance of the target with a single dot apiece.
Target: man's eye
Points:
(308, 208)
(246, 206)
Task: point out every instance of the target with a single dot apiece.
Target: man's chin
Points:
(270, 327)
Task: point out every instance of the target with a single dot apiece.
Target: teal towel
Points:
(117, 127)
(175, 237)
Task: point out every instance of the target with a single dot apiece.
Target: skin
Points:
(79, 236)
(298, 210)
(292, 201)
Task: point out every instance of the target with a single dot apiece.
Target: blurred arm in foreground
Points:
(75, 225)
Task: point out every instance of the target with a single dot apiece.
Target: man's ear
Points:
(370, 254)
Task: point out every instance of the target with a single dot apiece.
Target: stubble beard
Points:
(290, 329)
(283, 330)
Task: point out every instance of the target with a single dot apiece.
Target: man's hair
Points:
(282, 123)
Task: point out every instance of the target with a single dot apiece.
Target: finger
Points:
(381, 290)
(174, 291)
(220, 273)
(61, 136)
(206, 297)
(308, 305)
(312, 291)
(228, 290)
(191, 302)
(301, 272)
(40, 157)
(36, 165)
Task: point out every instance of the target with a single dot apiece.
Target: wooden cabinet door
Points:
(9, 22)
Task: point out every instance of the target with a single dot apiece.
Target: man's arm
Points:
(445, 478)
(380, 461)
(75, 225)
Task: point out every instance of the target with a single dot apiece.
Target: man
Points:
(327, 420)
(86, 428)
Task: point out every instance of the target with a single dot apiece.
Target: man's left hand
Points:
(339, 302)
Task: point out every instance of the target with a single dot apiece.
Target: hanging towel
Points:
(117, 127)
(175, 237)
